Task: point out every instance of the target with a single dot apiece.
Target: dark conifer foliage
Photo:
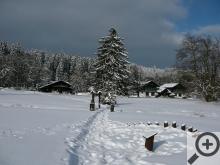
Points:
(29, 69)
(112, 65)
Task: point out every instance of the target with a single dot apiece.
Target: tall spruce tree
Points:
(111, 66)
(59, 71)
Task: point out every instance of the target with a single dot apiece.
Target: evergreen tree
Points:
(59, 71)
(111, 66)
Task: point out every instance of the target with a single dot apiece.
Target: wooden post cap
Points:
(157, 123)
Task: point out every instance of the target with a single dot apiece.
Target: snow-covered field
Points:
(52, 129)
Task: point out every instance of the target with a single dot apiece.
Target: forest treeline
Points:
(23, 68)
(197, 67)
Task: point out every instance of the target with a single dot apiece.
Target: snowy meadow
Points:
(53, 129)
(109, 82)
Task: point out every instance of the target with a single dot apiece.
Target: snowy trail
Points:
(37, 128)
(100, 140)
(79, 143)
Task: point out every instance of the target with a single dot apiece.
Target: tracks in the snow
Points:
(86, 131)
(100, 141)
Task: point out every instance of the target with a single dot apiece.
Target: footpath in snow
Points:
(38, 128)
(100, 141)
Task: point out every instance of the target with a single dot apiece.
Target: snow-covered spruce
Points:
(112, 65)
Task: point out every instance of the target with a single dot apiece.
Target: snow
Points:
(54, 82)
(104, 141)
(168, 85)
(145, 82)
(53, 129)
(33, 126)
(162, 89)
(201, 115)
(165, 86)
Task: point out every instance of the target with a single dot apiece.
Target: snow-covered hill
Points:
(53, 129)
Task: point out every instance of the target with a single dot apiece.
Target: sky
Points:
(152, 29)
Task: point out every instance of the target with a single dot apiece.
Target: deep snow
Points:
(52, 129)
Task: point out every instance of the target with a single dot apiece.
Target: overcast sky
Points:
(152, 29)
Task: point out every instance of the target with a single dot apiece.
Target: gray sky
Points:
(148, 26)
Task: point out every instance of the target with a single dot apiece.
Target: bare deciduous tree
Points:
(201, 56)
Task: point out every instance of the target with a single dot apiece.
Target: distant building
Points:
(57, 86)
(147, 89)
(171, 90)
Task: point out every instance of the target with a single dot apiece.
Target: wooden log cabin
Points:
(172, 90)
(57, 86)
(148, 89)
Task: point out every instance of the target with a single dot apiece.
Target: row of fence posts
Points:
(182, 127)
(149, 141)
(174, 125)
(92, 103)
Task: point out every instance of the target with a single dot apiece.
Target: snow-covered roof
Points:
(53, 82)
(162, 89)
(168, 85)
(145, 82)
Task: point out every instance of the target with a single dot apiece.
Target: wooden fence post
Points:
(149, 142)
(183, 127)
(166, 124)
(92, 104)
(174, 124)
(112, 107)
(190, 129)
(99, 94)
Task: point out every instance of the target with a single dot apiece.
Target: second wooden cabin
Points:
(172, 90)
